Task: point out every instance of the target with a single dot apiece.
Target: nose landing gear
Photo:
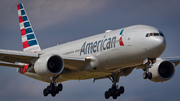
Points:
(149, 63)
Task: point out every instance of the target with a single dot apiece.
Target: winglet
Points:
(29, 41)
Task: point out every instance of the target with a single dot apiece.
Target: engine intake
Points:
(162, 70)
(166, 69)
(49, 65)
(55, 64)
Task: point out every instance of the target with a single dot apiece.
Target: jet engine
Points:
(49, 65)
(162, 70)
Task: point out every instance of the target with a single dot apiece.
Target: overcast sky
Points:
(60, 21)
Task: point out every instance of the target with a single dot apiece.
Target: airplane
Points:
(112, 54)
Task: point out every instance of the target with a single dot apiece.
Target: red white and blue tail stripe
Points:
(29, 41)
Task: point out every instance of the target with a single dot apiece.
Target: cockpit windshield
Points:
(154, 34)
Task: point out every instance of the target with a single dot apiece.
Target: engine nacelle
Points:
(162, 70)
(49, 65)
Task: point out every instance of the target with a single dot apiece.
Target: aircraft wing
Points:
(11, 65)
(16, 56)
(175, 60)
(75, 62)
(9, 57)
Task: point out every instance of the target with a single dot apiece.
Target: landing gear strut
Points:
(53, 88)
(149, 63)
(114, 91)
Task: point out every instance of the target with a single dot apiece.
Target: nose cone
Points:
(159, 42)
(156, 46)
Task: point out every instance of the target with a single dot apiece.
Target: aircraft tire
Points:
(145, 75)
(110, 92)
(53, 94)
(114, 96)
(45, 92)
(149, 75)
(60, 87)
(107, 95)
(121, 89)
(51, 87)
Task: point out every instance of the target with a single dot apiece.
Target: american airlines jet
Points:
(112, 54)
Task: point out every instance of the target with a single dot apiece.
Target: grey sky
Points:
(60, 21)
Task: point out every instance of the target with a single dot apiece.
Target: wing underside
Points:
(17, 56)
(10, 58)
(175, 60)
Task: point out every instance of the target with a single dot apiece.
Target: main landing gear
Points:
(53, 88)
(114, 91)
(149, 63)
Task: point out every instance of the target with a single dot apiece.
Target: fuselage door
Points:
(129, 39)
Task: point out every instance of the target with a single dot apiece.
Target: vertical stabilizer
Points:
(29, 41)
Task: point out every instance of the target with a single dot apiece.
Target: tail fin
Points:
(29, 41)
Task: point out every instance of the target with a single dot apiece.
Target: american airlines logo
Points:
(93, 47)
(106, 43)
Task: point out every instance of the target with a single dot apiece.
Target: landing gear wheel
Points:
(114, 92)
(149, 64)
(56, 91)
(53, 94)
(145, 75)
(149, 75)
(51, 87)
(60, 87)
(114, 96)
(110, 92)
(45, 92)
(107, 95)
(118, 93)
(121, 90)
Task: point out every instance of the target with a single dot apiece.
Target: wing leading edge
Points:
(175, 60)
(17, 56)
(10, 57)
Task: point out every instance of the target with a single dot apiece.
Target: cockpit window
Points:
(150, 34)
(147, 34)
(161, 34)
(154, 34)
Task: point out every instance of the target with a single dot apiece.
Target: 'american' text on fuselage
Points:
(93, 47)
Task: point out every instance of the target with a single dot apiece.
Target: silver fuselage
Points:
(111, 51)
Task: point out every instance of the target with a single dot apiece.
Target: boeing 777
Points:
(112, 54)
